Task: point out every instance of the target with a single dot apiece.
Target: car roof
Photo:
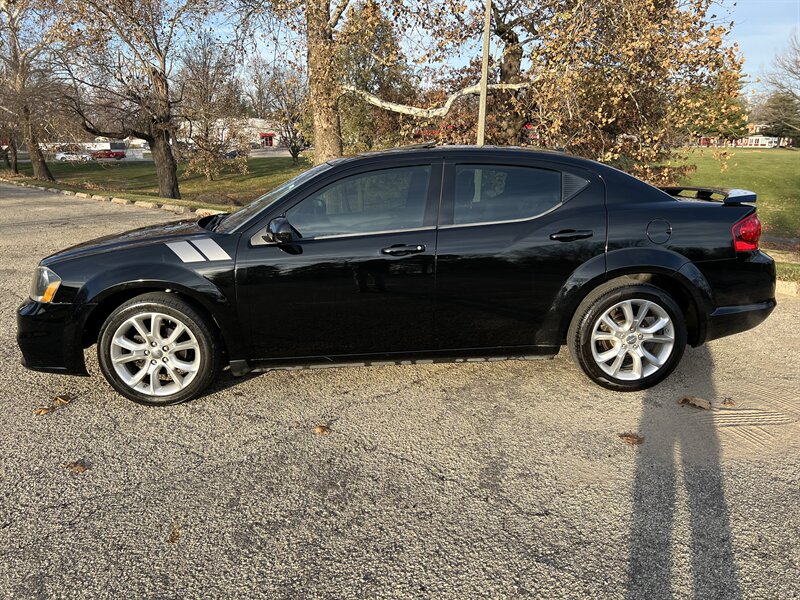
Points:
(429, 150)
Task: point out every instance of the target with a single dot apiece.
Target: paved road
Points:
(443, 481)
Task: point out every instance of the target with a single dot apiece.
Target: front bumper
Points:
(49, 336)
(728, 320)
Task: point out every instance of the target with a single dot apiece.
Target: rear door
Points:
(511, 232)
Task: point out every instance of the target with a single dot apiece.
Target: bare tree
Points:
(212, 110)
(121, 73)
(286, 105)
(27, 30)
(782, 106)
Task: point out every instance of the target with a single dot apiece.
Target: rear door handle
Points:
(570, 235)
(403, 249)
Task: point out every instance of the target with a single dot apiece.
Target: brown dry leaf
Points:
(77, 467)
(629, 437)
(61, 400)
(728, 401)
(322, 429)
(174, 533)
(43, 410)
(695, 401)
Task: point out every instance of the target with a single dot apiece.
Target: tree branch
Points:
(337, 13)
(432, 113)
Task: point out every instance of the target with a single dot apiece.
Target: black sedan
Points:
(418, 254)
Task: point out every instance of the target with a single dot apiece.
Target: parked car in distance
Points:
(115, 154)
(235, 154)
(417, 254)
(72, 157)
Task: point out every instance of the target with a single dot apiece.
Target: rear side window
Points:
(383, 200)
(488, 193)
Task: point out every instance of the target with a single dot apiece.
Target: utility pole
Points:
(487, 26)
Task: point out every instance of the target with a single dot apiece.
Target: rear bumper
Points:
(49, 336)
(727, 320)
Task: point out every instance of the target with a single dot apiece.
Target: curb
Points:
(174, 208)
(787, 288)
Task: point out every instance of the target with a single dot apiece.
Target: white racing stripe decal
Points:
(211, 249)
(186, 252)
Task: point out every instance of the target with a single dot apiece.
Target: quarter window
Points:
(485, 194)
(385, 200)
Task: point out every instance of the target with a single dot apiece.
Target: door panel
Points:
(345, 290)
(497, 280)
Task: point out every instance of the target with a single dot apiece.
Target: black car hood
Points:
(130, 239)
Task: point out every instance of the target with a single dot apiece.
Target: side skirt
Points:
(241, 367)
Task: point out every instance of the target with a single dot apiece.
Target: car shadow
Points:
(680, 446)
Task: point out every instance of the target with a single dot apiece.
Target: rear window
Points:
(489, 193)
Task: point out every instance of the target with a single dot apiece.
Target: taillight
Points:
(746, 233)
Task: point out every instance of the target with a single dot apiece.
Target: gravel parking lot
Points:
(506, 479)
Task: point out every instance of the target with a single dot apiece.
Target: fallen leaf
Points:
(174, 533)
(322, 429)
(695, 401)
(77, 467)
(629, 437)
(43, 410)
(61, 400)
(728, 401)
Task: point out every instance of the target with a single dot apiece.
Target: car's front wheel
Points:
(627, 336)
(156, 349)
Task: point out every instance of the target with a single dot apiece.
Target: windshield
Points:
(234, 220)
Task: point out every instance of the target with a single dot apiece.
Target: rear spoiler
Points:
(734, 196)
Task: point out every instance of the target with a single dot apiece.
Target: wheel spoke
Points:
(604, 336)
(138, 324)
(183, 365)
(615, 366)
(126, 358)
(174, 375)
(627, 309)
(188, 345)
(636, 365)
(176, 333)
(607, 355)
(136, 379)
(660, 323)
(644, 308)
(610, 323)
(127, 344)
(650, 357)
(659, 339)
(155, 328)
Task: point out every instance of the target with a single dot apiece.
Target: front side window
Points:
(488, 193)
(384, 200)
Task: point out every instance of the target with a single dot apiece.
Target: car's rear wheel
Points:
(156, 349)
(628, 336)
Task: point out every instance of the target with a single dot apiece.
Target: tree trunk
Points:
(510, 117)
(322, 82)
(6, 163)
(166, 167)
(40, 169)
(12, 148)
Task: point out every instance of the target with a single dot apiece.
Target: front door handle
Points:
(570, 235)
(403, 249)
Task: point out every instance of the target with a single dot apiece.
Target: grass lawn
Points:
(774, 174)
(137, 180)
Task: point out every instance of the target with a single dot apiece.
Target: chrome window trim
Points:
(260, 234)
(547, 212)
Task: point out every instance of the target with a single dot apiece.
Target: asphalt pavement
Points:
(475, 480)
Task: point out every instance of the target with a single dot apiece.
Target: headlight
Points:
(45, 285)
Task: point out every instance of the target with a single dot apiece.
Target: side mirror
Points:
(280, 230)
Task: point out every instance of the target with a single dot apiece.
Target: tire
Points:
(133, 360)
(631, 355)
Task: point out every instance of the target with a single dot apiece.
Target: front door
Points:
(359, 277)
(511, 234)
